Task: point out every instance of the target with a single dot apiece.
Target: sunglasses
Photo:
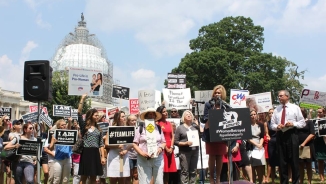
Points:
(173, 111)
(7, 119)
(31, 128)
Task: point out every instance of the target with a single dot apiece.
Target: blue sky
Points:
(145, 39)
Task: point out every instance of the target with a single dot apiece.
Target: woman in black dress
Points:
(306, 137)
(272, 153)
(90, 159)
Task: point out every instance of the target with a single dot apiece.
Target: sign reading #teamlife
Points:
(321, 127)
(28, 147)
(61, 110)
(66, 137)
(229, 124)
(120, 92)
(121, 134)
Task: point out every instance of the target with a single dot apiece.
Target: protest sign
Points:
(238, 98)
(321, 127)
(61, 110)
(151, 139)
(120, 92)
(148, 99)
(176, 121)
(261, 102)
(50, 134)
(5, 111)
(28, 147)
(312, 99)
(205, 96)
(66, 137)
(46, 119)
(133, 106)
(121, 135)
(83, 81)
(33, 108)
(177, 98)
(229, 124)
(104, 127)
(30, 117)
(111, 111)
(176, 81)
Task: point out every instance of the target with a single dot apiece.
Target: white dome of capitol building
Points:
(83, 50)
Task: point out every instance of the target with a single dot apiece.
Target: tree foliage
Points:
(60, 94)
(229, 52)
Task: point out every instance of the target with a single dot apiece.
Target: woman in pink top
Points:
(149, 166)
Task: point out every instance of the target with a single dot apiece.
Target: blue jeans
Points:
(96, 92)
(26, 170)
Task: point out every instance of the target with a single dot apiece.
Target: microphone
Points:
(199, 102)
(195, 125)
(226, 105)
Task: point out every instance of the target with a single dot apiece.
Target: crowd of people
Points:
(281, 134)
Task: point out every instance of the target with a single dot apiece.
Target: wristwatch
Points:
(161, 148)
(172, 147)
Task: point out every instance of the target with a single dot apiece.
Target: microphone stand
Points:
(229, 154)
(200, 149)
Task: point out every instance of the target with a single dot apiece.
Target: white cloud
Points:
(136, 79)
(316, 84)
(11, 76)
(41, 23)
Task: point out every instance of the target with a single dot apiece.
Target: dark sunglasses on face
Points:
(7, 119)
(31, 128)
(173, 111)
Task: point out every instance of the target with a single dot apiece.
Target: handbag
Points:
(304, 152)
(78, 146)
(10, 155)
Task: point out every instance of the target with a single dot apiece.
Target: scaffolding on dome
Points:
(84, 50)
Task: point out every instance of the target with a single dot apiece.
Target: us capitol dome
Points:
(84, 50)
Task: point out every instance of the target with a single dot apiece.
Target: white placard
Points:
(176, 121)
(83, 81)
(205, 96)
(193, 137)
(261, 102)
(151, 137)
(238, 98)
(177, 98)
(313, 97)
(148, 99)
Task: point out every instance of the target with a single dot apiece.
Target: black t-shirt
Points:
(5, 136)
(304, 132)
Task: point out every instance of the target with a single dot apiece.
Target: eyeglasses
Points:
(31, 128)
(7, 119)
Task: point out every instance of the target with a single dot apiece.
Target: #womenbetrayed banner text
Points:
(83, 81)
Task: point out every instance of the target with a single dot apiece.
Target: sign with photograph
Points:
(177, 98)
(133, 106)
(82, 80)
(176, 81)
(30, 117)
(66, 137)
(121, 135)
(148, 99)
(61, 110)
(5, 111)
(229, 124)
(238, 98)
(312, 99)
(261, 102)
(205, 96)
(120, 92)
(28, 147)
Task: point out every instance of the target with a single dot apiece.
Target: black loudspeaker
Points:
(37, 81)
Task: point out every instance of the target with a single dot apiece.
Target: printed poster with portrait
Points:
(83, 81)
(261, 102)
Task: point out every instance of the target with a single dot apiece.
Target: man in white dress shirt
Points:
(286, 119)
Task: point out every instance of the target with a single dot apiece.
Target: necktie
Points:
(283, 116)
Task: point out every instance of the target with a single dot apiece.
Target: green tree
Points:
(60, 94)
(229, 52)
